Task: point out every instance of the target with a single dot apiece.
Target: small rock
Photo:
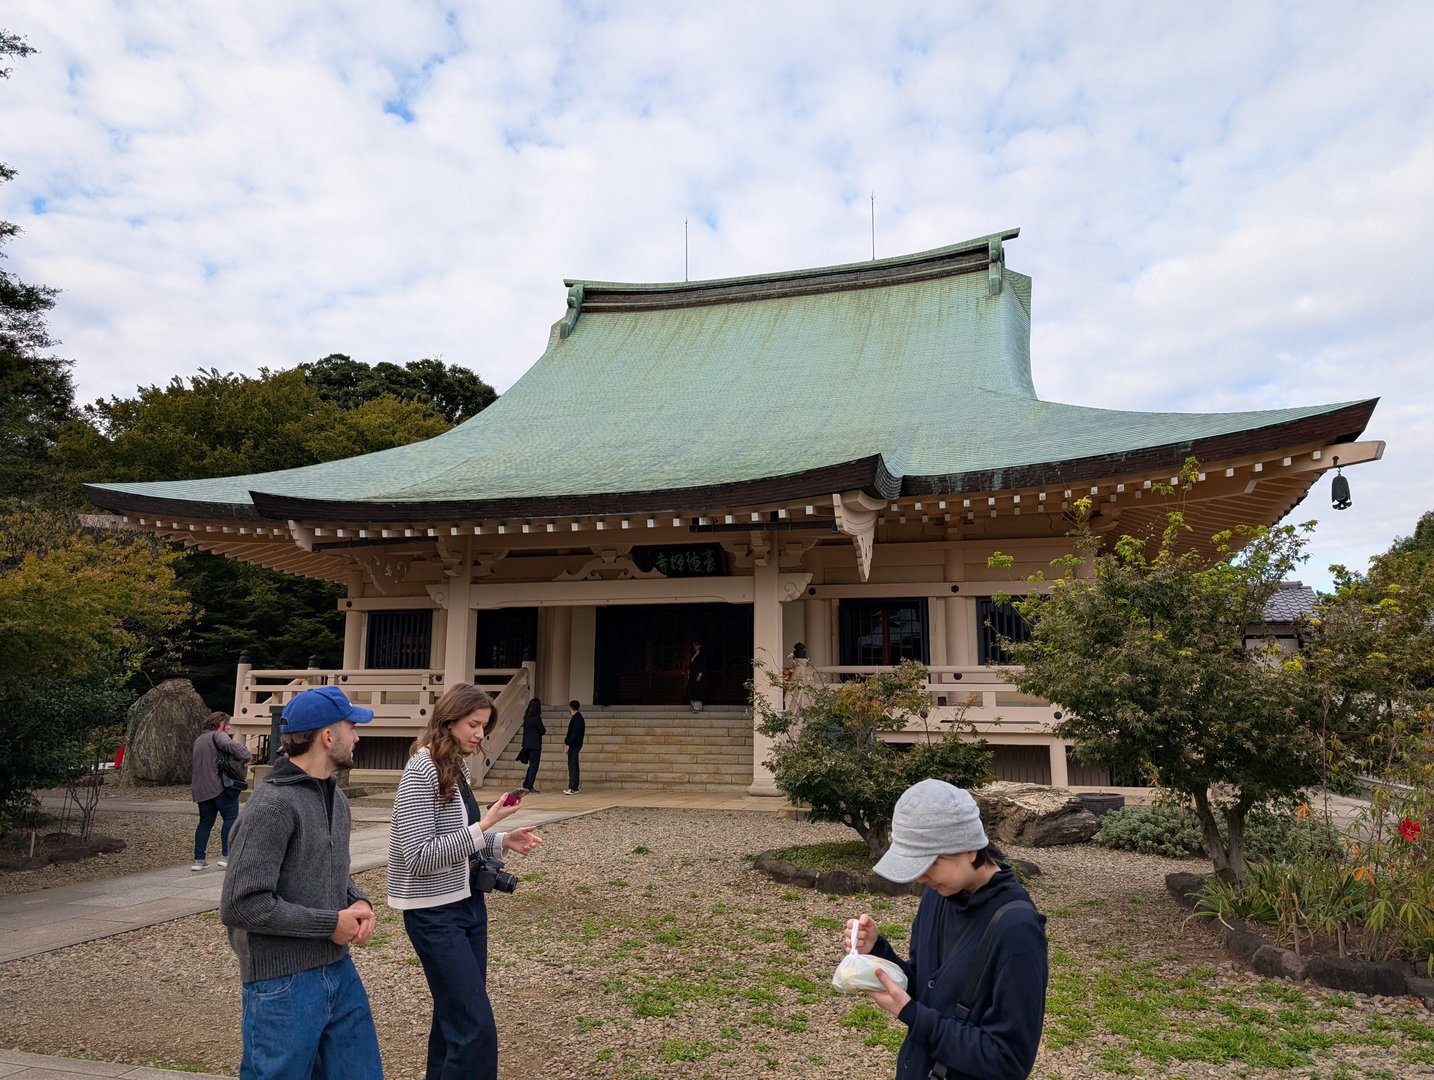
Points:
(1278, 963)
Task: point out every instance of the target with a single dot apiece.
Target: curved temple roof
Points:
(908, 375)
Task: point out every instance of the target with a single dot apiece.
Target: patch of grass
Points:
(893, 931)
(790, 894)
(826, 922)
(681, 1050)
(875, 1026)
(640, 850)
(835, 855)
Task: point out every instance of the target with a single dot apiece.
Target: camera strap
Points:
(470, 804)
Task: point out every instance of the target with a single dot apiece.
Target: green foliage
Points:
(1174, 831)
(1151, 830)
(82, 614)
(70, 596)
(49, 728)
(279, 619)
(225, 425)
(36, 393)
(231, 425)
(834, 855)
(828, 753)
(1146, 653)
(455, 393)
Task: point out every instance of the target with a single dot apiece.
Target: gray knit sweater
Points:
(288, 875)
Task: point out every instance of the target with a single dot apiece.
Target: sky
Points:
(1223, 206)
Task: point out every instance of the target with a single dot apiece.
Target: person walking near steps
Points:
(533, 731)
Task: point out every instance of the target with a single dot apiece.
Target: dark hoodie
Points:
(288, 875)
(998, 1040)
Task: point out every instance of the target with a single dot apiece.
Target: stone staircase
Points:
(643, 746)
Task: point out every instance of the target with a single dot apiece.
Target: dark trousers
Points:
(224, 805)
(531, 780)
(573, 776)
(452, 943)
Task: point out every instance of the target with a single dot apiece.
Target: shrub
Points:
(1174, 831)
(828, 752)
(1152, 830)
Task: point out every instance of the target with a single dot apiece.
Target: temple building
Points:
(824, 456)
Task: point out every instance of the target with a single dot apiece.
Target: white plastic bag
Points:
(857, 971)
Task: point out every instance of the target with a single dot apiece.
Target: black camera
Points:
(487, 878)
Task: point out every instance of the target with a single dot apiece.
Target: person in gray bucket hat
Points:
(976, 981)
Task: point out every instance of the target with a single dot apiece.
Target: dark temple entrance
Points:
(642, 652)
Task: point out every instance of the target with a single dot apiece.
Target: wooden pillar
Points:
(767, 649)
(959, 649)
(1060, 775)
(461, 622)
(557, 664)
(819, 631)
(355, 622)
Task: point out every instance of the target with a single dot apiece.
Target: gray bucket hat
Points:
(931, 818)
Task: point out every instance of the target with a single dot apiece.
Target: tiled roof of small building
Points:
(1291, 600)
(905, 375)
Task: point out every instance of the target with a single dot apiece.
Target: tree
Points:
(455, 393)
(36, 393)
(82, 613)
(206, 426)
(828, 753)
(1149, 659)
(229, 425)
(1422, 542)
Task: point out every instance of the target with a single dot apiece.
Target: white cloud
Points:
(1222, 207)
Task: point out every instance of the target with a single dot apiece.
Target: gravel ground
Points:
(641, 944)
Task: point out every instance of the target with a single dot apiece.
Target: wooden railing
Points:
(991, 701)
(509, 704)
(401, 699)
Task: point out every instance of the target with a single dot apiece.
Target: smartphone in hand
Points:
(513, 798)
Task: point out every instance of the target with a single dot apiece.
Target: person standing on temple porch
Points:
(696, 668)
(573, 740)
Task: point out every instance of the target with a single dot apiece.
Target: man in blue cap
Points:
(293, 910)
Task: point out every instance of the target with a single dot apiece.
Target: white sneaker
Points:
(224, 860)
(199, 864)
(570, 791)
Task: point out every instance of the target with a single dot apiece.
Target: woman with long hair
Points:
(533, 731)
(438, 843)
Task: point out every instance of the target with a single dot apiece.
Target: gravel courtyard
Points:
(641, 944)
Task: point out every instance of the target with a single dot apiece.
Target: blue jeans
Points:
(452, 943)
(224, 805)
(312, 1025)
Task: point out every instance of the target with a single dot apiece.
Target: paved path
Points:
(18, 1065)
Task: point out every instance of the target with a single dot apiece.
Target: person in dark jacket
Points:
(213, 792)
(573, 740)
(937, 839)
(533, 732)
(292, 909)
(696, 672)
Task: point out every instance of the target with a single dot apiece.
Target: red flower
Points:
(1410, 830)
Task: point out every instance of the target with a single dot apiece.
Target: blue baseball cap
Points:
(320, 707)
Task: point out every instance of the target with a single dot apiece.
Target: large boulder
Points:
(1033, 815)
(160, 732)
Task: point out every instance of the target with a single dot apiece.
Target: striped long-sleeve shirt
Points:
(430, 841)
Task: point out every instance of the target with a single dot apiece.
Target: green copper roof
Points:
(922, 362)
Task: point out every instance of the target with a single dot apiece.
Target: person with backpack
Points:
(976, 980)
(208, 787)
